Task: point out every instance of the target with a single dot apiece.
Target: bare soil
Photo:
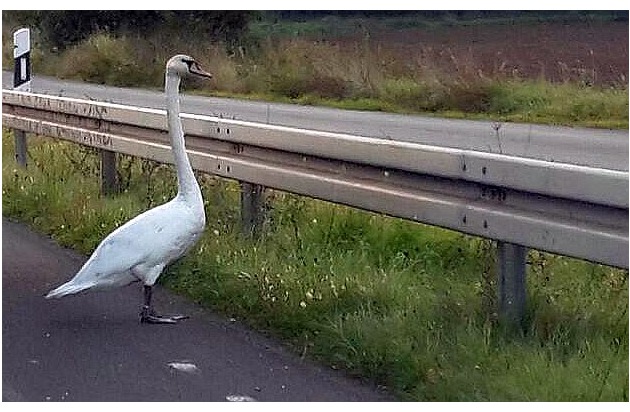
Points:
(594, 53)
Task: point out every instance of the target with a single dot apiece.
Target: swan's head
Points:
(183, 65)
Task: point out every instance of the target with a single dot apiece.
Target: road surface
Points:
(92, 347)
(606, 149)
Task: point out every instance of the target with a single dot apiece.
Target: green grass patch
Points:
(408, 306)
(519, 101)
(568, 104)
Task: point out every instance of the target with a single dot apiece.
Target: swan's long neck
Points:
(186, 182)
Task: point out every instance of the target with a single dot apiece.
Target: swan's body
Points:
(141, 248)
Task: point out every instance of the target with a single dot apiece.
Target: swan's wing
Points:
(115, 260)
(150, 240)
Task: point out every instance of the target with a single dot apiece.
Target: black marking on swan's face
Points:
(189, 61)
(194, 68)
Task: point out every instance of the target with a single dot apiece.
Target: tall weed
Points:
(105, 59)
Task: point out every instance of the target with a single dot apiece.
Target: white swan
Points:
(141, 248)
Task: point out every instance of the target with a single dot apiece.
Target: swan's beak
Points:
(196, 69)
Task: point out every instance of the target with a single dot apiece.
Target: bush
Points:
(410, 94)
(510, 97)
(469, 97)
(105, 59)
(290, 83)
(301, 82)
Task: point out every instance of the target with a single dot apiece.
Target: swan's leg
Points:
(148, 314)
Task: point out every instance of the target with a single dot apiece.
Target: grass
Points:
(408, 306)
(358, 74)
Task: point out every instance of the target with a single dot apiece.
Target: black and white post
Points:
(21, 82)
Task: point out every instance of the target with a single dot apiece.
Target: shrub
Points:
(106, 59)
(469, 97)
(511, 97)
(410, 94)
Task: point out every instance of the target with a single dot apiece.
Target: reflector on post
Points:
(22, 58)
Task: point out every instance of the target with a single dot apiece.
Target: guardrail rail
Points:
(521, 203)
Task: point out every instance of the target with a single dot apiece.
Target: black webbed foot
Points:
(150, 316)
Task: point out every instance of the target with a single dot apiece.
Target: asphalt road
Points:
(606, 149)
(92, 347)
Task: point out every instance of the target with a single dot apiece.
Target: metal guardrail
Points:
(561, 208)
(521, 203)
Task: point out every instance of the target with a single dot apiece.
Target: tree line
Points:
(61, 29)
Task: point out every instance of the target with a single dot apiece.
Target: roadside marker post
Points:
(21, 82)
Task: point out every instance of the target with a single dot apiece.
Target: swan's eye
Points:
(189, 63)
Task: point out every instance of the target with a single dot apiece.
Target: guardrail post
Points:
(252, 213)
(109, 179)
(21, 81)
(511, 296)
(20, 147)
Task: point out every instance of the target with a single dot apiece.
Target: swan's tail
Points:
(68, 288)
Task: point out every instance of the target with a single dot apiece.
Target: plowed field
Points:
(590, 52)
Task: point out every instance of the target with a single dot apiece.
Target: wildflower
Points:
(334, 289)
(303, 304)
